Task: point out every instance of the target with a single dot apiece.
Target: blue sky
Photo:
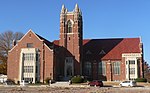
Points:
(101, 18)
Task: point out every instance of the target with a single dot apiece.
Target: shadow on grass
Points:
(139, 86)
(107, 86)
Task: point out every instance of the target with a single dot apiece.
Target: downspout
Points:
(43, 61)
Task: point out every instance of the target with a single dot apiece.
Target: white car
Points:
(128, 84)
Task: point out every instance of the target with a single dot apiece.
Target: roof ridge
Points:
(111, 38)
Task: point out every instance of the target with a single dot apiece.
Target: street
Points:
(72, 89)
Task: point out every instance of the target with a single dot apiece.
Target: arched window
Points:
(116, 68)
(69, 26)
(102, 68)
(88, 68)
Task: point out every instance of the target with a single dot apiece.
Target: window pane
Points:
(131, 62)
(69, 26)
(28, 57)
(102, 68)
(88, 68)
(116, 68)
(28, 69)
(132, 70)
(29, 45)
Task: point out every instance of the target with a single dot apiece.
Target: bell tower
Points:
(71, 40)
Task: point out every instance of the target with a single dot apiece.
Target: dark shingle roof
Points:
(110, 48)
(102, 49)
(48, 43)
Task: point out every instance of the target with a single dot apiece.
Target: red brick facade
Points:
(71, 40)
(104, 59)
(46, 54)
(110, 51)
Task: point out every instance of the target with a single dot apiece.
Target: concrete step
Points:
(59, 84)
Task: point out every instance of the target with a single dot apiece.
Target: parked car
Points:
(96, 83)
(128, 84)
(9, 82)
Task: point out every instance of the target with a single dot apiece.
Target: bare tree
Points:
(6, 43)
(3, 64)
(147, 71)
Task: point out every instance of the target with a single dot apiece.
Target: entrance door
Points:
(69, 69)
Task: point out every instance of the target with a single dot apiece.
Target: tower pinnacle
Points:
(63, 9)
(76, 8)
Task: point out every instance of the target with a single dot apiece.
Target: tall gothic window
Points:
(116, 68)
(101, 68)
(69, 27)
(87, 68)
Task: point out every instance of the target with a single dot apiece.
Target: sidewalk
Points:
(66, 84)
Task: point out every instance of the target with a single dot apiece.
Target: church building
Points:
(34, 59)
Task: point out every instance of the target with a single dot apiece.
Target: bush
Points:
(38, 82)
(10, 80)
(141, 80)
(77, 79)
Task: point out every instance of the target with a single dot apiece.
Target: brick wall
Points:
(14, 57)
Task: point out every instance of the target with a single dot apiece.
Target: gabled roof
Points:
(48, 43)
(112, 47)
(108, 48)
